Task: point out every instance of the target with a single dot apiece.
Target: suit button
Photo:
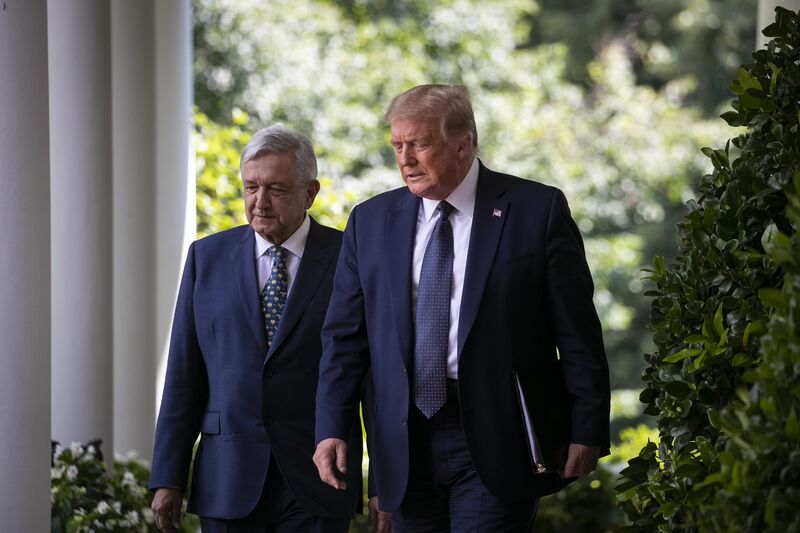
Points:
(268, 420)
(405, 421)
(269, 373)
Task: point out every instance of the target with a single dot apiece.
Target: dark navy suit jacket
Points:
(526, 309)
(246, 402)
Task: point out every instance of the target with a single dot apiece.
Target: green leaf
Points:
(792, 427)
(752, 328)
(679, 389)
(718, 326)
(747, 81)
(681, 355)
(772, 298)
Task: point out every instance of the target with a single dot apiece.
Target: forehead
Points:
(270, 168)
(415, 127)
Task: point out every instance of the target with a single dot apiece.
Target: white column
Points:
(766, 16)
(175, 183)
(80, 192)
(134, 213)
(24, 268)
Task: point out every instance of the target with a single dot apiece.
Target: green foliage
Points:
(702, 41)
(622, 152)
(710, 374)
(86, 497)
(757, 487)
(220, 204)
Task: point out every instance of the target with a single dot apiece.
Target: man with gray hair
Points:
(467, 297)
(243, 362)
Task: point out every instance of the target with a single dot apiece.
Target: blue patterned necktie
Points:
(273, 296)
(433, 317)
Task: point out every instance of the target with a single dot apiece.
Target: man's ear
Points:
(311, 192)
(464, 146)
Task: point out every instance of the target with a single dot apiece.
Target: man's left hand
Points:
(581, 461)
(379, 521)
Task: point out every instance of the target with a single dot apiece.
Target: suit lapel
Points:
(315, 262)
(401, 227)
(243, 263)
(488, 219)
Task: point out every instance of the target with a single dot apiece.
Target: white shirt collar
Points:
(295, 244)
(462, 198)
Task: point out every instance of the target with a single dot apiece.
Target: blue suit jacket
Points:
(526, 309)
(244, 401)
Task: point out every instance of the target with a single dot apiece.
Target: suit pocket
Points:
(210, 423)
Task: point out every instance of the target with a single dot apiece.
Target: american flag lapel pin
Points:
(497, 213)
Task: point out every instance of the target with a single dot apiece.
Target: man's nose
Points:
(262, 198)
(406, 156)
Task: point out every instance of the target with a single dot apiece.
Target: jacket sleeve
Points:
(185, 392)
(345, 349)
(577, 328)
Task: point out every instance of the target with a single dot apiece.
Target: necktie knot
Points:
(277, 253)
(445, 208)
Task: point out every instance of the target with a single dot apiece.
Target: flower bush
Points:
(85, 496)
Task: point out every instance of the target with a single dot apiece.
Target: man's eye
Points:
(278, 192)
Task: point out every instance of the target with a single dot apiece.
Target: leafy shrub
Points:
(707, 382)
(757, 487)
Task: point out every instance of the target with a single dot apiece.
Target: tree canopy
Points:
(622, 151)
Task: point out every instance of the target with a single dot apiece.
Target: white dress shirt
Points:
(294, 245)
(463, 199)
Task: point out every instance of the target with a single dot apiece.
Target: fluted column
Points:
(134, 200)
(24, 268)
(80, 192)
(175, 183)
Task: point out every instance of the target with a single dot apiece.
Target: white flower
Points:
(147, 514)
(103, 507)
(98, 524)
(132, 517)
(59, 449)
(72, 473)
(76, 448)
(55, 473)
(91, 450)
(117, 506)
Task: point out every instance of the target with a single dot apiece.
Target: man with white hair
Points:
(243, 362)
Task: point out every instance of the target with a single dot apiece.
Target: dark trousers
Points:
(277, 511)
(444, 491)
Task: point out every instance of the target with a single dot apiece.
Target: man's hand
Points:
(581, 460)
(379, 521)
(166, 507)
(331, 452)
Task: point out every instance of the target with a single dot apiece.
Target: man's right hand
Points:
(166, 508)
(331, 452)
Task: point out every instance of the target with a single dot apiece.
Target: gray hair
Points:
(450, 102)
(278, 139)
